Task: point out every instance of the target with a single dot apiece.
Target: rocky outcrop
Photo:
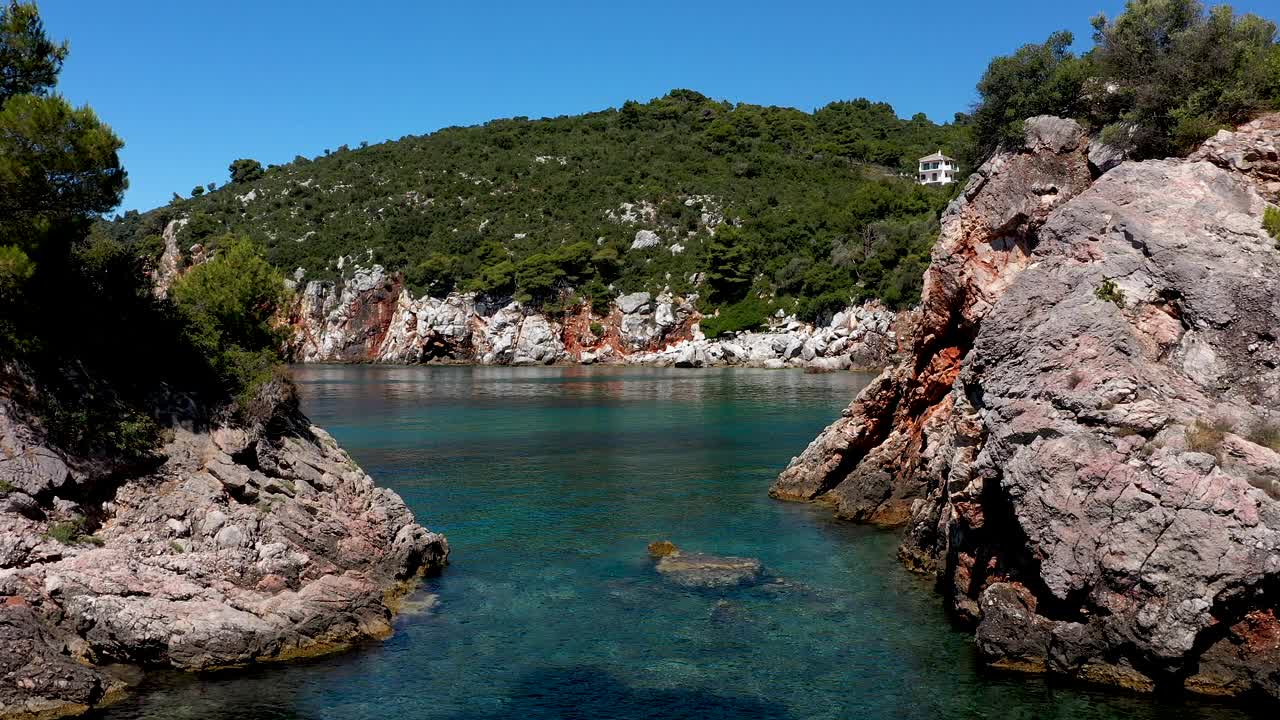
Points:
(1083, 444)
(236, 545)
(702, 571)
(169, 266)
(864, 463)
(1252, 150)
(371, 317)
(859, 338)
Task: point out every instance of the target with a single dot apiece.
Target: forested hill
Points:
(736, 202)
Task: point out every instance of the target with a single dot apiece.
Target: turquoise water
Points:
(549, 482)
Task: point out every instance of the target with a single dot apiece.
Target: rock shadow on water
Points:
(589, 693)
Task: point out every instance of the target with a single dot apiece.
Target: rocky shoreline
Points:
(1082, 443)
(372, 317)
(238, 544)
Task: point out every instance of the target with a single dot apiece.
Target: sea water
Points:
(549, 482)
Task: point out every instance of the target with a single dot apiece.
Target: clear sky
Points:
(190, 86)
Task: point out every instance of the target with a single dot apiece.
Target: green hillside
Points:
(817, 208)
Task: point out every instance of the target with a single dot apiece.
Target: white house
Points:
(937, 169)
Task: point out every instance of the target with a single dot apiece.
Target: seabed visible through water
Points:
(549, 483)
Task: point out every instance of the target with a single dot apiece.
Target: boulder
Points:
(538, 342)
(701, 571)
(645, 239)
(1104, 157)
(634, 303)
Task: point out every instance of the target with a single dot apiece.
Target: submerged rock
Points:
(699, 570)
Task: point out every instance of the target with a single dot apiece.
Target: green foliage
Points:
(6, 487)
(98, 425)
(197, 191)
(729, 265)
(1183, 72)
(437, 274)
(1271, 221)
(57, 165)
(72, 532)
(78, 317)
(1163, 76)
(749, 313)
(597, 329)
(245, 170)
(15, 269)
(1035, 80)
(1108, 291)
(64, 532)
(30, 60)
(496, 279)
(533, 208)
(228, 304)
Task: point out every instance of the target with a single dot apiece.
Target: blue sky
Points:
(190, 86)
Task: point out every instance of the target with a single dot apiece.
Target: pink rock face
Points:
(866, 462)
(1082, 434)
(245, 545)
(1253, 150)
(373, 317)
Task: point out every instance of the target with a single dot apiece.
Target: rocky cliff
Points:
(1082, 445)
(237, 544)
(372, 317)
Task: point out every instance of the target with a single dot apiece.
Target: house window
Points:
(935, 176)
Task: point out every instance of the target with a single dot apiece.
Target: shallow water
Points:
(549, 482)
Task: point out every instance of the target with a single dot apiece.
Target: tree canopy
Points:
(58, 164)
(245, 170)
(29, 60)
(78, 316)
(1162, 76)
(731, 193)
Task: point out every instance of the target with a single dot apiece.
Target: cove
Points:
(549, 482)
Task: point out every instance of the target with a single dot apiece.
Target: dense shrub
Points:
(1162, 76)
(1271, 222)
(79, 320)
(749, 313)
(228, 305)
(533, 208)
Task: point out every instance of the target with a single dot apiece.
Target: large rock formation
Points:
(239, 544)
(1083, 445)
(372, 317)
(862, 462)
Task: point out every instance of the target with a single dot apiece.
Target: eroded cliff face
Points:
(1083, 446)
(372, 317)
(866, 463)
(239, 544)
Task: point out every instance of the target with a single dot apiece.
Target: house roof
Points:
(936, 156)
